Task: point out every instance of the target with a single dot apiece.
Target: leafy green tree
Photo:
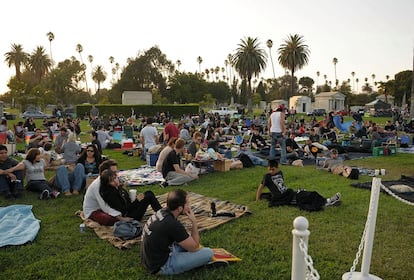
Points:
(249, 60)
(187, 88)
(17, 57)
(147, 72)
(99, 76)
(293, 55)
(39, 63)
(307, 83)
(402, 86)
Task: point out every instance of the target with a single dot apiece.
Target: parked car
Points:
(317, 112)
(9, 116)
(35, 115)
(69, 112)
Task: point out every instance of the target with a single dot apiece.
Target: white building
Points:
(330, 101)
(301, 104)
(136, 98)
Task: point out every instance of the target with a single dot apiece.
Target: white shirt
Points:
(149, 133)
(93, 201)
(275, 119)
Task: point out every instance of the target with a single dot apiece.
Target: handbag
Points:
(127, 230)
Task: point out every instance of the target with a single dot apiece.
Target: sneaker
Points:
(216, 264)
(68, 193)
(44, 195)
(75, 192)
(334, 200)
(54, 194)
(284, 163)
(164, 184)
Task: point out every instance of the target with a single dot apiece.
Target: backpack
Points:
(246, 161)
(127, 230)
(310, 201)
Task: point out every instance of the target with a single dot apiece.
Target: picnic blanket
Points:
(202, 210)
(404, 187)
(141, 176)
(18, 225)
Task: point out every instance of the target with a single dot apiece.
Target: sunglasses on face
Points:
(90, 151)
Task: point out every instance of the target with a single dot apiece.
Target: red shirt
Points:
(171, 130)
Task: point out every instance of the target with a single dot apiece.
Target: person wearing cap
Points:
(277, 130)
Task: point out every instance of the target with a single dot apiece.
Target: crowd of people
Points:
(167, 248)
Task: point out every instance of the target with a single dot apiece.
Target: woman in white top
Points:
(34, 167)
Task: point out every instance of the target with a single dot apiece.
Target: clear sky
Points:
(366, 36)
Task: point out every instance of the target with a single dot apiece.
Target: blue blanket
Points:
(18, 225)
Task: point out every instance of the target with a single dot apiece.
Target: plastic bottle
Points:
(82, 228)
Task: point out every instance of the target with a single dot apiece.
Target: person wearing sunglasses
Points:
(86, 165)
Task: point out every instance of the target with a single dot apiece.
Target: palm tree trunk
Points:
(412, 94)
(249, 99)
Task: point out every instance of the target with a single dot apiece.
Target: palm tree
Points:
(99, 76)
(373, 79)
(39, 62)
(269, 44)
(317, 80)
(50, 37)
(353, 80)
(293, 54)
(357, 81)
(229, 57)
(79, 49)
(335, 61)
(16, 57)
(90, 59)
(199, 60)
(178, 65)
(249, 60)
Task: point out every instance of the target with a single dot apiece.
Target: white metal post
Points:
(300, 230)
(369, 238)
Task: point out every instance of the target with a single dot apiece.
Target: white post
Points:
(369, 238)
(300, 230)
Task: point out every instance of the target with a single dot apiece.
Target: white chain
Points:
(311, 273)
(390, 192)
(361, 245)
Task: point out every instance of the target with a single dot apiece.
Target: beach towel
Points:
(18, 225)
(141, 176)
(201, 206)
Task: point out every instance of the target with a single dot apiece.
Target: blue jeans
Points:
(67, 181)
(8, 186)
(278, 138)
(180, 260)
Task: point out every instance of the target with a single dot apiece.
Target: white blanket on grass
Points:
(18, 225)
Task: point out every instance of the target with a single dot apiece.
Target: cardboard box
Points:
(11, 149)
(222, 165)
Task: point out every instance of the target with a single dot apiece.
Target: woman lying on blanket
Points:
(118, 198)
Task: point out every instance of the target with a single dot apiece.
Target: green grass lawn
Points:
(263, 240)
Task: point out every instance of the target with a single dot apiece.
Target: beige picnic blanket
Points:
(200, 205)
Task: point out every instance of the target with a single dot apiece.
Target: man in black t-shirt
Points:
(282, 195)
(166, 247)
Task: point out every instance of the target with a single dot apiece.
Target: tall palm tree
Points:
(199, 60)
(269, 44)
(373, 79)
(293, 55)
(249, 60)
(50, 37)
(335, 61)
(229, 57)
(317, 80)
(39, 63)
(90, 59)
(79, 49)
(178, 65)
(353, 80)
(111, 60)
(99, 76)
(357, 81)
(16, 57)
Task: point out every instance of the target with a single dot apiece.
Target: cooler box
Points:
(393, 150)
(378, 151)
(152, 159)
(222, 165)
(127, 145)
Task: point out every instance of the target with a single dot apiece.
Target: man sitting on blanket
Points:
(166, 247)
(95, 207)
(171, 170)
